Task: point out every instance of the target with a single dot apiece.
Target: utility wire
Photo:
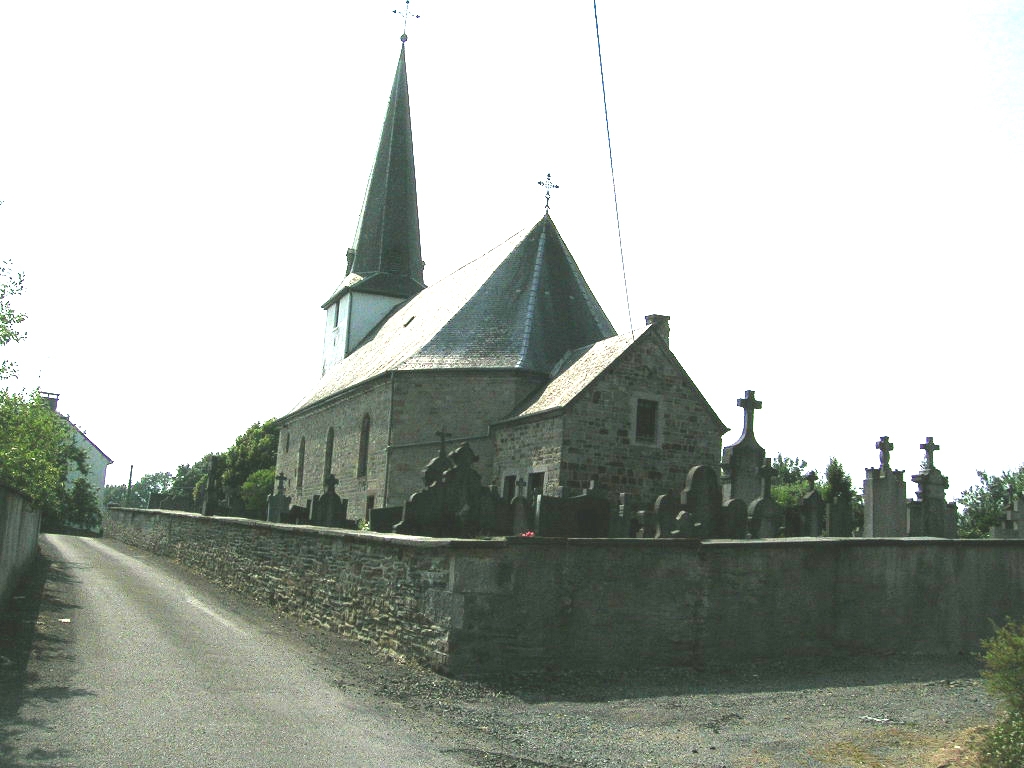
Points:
(611, 165)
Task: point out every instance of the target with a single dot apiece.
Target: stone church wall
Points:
(529, 447)
(469, 607)
(345, 416)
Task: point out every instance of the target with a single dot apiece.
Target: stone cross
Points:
(444, 436)
(749, 405)
(548, 186)
(884, 446)
(929, 447)
(405, 19)
(329, 482)
(280, 483)
(811, 477)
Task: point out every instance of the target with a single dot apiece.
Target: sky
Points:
(826, 199)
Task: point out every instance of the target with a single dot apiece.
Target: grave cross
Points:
(884, 446)
(280, 483)
(329, 482)
(444, 436)
(765, 475)
(749, 405)
(929, 447)
(548, 186)
(405, 19)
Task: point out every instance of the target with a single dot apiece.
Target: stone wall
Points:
(19, 536)
(481, 606)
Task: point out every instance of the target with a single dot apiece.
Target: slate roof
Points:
(521, 306)
(387, 239)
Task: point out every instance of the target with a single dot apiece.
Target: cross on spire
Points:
(929, 447)
(884, 446)
(405, 19)
(548, 186)
(749, 405)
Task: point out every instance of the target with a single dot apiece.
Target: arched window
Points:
(328, 453)
(302, 465)
(364, 446)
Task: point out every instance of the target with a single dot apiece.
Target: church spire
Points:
(387, 240)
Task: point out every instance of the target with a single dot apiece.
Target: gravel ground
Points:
(892, 712)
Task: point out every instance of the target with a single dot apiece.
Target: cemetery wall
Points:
(476, 606)
(19, 536)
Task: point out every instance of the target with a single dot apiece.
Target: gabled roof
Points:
(581, 367)
(522, 306)
(387, 239)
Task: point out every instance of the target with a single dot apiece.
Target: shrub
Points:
(1003, 745)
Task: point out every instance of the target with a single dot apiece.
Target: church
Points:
(511, 355)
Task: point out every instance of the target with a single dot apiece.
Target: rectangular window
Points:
(646, 421)
(337, 309)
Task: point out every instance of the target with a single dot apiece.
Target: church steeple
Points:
(387, 238)
(384, 265)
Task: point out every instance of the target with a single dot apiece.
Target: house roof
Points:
(521, 306)
(387, 239)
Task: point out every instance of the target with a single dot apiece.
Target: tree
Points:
(983, 504)
(82, 511)
(789, 485)
(141, 490)
(839, 485)
(11, 284)
(246, 465)
(37, 450)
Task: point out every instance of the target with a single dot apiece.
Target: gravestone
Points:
(212, 492)
(765, 515)
(742, 461)
(587, 516)
(701, 503)
(1011, 526)
(629, 510)
(426, 513)
(733, 521)
(885, 497)
(278, 503)
(384, 519)
(666, 510)
(840, 517)
(929, 514)
(522, 516)
(329, 510)
(647, 524)
(812, 509)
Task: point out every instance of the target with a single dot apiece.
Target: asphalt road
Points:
(131, 666)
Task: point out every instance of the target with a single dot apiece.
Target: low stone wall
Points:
(482, 606)
(19, 538)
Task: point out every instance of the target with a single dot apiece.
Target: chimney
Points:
(50, 398)
(661, 321)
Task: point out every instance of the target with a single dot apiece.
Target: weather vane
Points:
(405, 19)
(548, 186)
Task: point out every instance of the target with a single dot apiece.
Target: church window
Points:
(287, 441)
(337, 310)
(364, 446)
(302, 465)
(646, 421)
(328, 453)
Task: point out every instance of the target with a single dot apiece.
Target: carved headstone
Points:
(840, 517)
(664, 525)
(766, 518)
(929, 514)
(701, 504)
(885, 497)
(742, 461)
(328, 509)
(1011, 526)
(733, 522)
(278, 503)
(812, 509)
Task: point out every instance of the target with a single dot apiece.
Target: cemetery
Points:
(466, 582)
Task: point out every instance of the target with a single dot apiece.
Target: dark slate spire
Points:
(386, 247)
